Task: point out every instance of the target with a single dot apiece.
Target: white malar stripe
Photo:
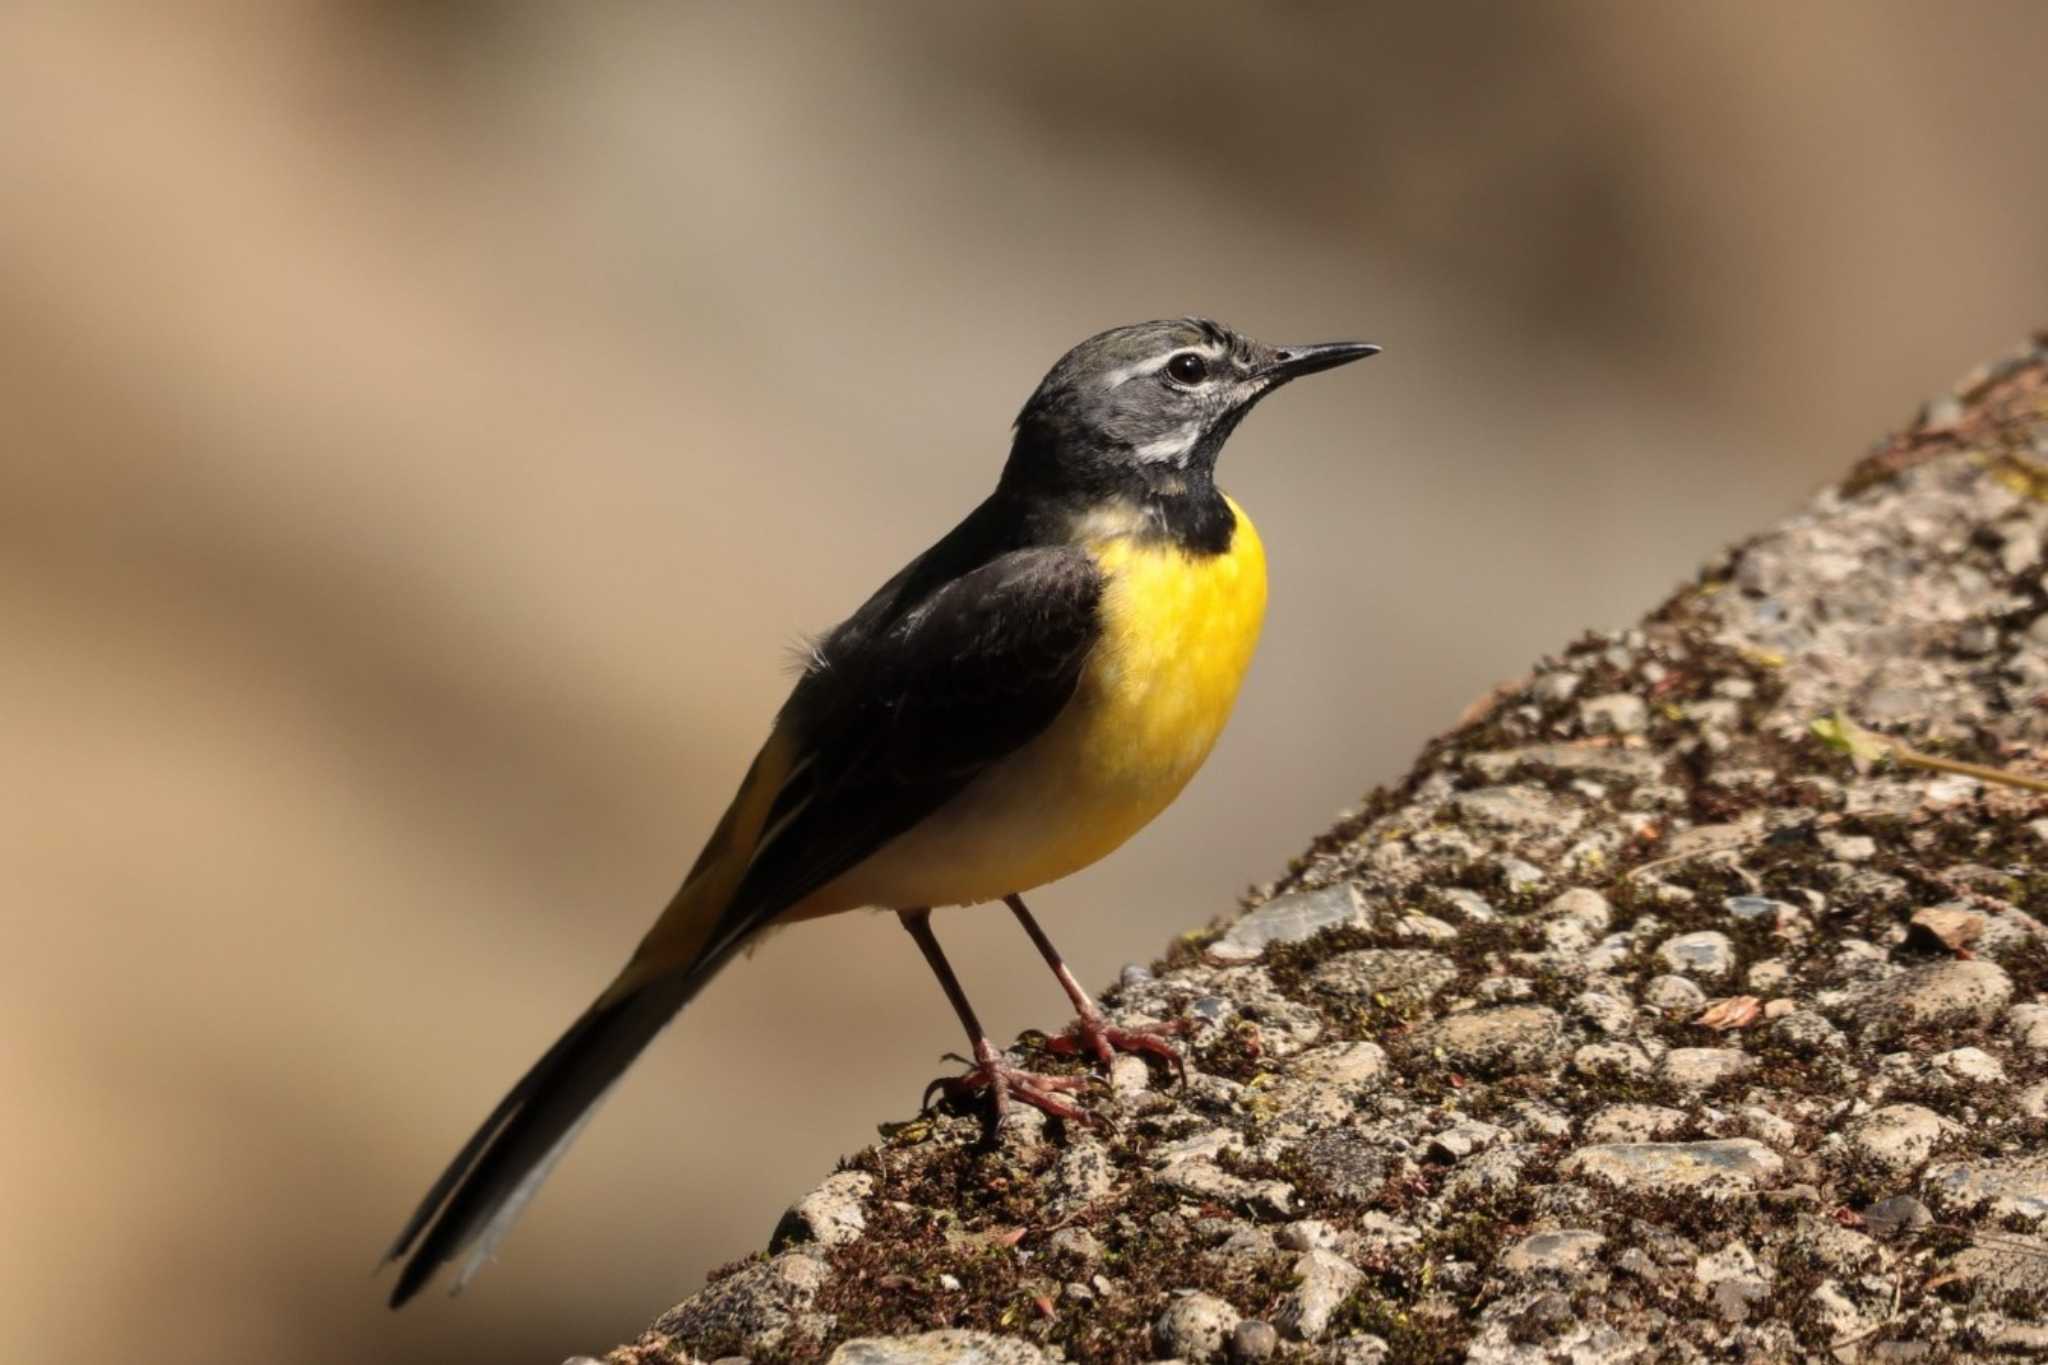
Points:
(1171, 446)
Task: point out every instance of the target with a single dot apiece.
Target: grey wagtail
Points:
(1016, 703)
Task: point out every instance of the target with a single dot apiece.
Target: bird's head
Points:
(1153, 403)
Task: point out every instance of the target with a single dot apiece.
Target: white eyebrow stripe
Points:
(1175, 443)
(1124, 374)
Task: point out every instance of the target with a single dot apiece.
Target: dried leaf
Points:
(1731, 1012)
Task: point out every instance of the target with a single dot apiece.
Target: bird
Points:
(1010, 707)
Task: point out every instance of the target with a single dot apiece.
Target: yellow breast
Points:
(1178, 634)
(1179, 630)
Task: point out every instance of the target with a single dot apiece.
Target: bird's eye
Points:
(1188, 368)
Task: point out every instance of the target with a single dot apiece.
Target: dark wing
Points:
(896, 717)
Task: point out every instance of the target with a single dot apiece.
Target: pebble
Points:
(1705, 1170)
(1461, 1140)
(1675, 995)
(1410, 974)
(1759, 908)
(1939, 996)
(2028, 1026)
(831, 1215)
(1604, 1011)
(950, 1346)
(1325, 1280)
(1517, 807)
(1503, 1041)
(1992, 1191)
(1634, 1123)
(1768, 976)
(1899, 1137)
(1081, 1175)
(1901, 1213)
(1707, 953)
(1292, 918)
(1568, 1252)
(1608, 1060)
(758, 1306)
(1969, 1066)
(1253, 1341)
(1307, 1234)
(1617, 713)
(1693, 1069)
(1195, 1327)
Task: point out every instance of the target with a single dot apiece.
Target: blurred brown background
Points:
(427, 426)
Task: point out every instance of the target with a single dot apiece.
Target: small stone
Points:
(950, 1346)
(830, 1215)
(1134, 975)
(1993, 1191)
(1584, 906)
(1207, 1182)
(1425, 929)
(1617, 713)
(1568, 1252)
(1621, 1123)
(1707, 953)
(1941, 996)
(1769, 976)
(2028, 1026)
(1461, 1140)
(1968, 1066)
(1901, 1213)
(1195, 1327)
(1759, 908)
(1604, 1011)
(1612, 1060)
(1775, 1010)
(1944, 928)
(757, 1306)
(1806, 1029)
(1555, 689)
(1849, 848)
(1307, 1234)
(1693, 1069)
(1674, 995)
(1252, 1342)
(1469, 906)
(1517, 808)
(1409, 974)
(1129, 1076)
(1504, 1041)
(1082, 1175)
(1325, 1281)
(1379, 1233)
(1899, 1137)
(1705, 1170)
(1292, 918)
(1076, 1242)
(1360, 1349)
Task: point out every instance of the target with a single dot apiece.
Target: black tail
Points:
(474, 1202)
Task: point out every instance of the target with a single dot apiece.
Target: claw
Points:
(1004, 1083)
(1097, 1036)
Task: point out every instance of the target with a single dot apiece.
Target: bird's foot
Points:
(1096, 1036)
(1005, 1083)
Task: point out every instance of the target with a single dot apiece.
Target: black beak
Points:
(1292, 362)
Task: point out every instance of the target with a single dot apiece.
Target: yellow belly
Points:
(1178, 635)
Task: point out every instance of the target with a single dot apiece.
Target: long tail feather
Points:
(497, 1171)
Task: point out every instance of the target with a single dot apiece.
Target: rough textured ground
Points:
(1621, 1029)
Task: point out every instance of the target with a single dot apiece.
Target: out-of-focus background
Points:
(424, 429)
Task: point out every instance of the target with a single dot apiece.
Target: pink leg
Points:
(989, 1072)
(1090, 1029)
